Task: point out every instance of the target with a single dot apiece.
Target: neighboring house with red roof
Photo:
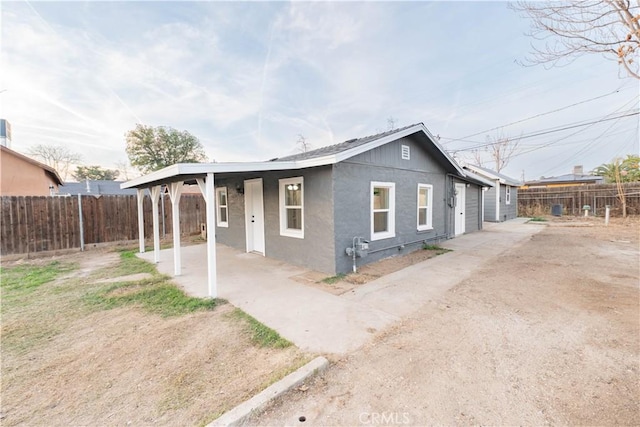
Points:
(24, 176)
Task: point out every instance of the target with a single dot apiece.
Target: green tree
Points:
(627, 169)
(95, 173)
(152, 148)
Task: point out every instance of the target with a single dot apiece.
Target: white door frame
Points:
(459, 211)
(249, 187)
(498, 197)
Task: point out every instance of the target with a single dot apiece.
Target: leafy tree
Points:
(628, 170)
(58, 157)
(569, 29)
(95, 173)
(153, 148)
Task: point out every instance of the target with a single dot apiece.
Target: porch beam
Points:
(155, 197)
(203, 187)
(211, 201)
(140, 198)
(175, 191)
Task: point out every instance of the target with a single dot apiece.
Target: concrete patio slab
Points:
(404, 291)
(321, 322)
(314, 320)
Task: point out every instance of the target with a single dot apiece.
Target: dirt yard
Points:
(547, 334)
(66, 362)
(341, 284)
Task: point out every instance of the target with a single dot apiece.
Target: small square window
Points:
(406, 152)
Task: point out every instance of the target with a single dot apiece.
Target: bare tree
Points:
(477, 157)
(58, 157)
(569, 29)
(302, 144)
(501, 150)
(125, 170)
(391, 123)
(498, 151)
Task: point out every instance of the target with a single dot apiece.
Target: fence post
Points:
(80, 222)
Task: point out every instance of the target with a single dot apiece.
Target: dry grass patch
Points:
(79, 352)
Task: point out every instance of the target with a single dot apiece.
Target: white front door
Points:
(254, 215)
(459, 210)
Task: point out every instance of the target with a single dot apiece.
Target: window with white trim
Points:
(292, 207)
(405, 151)
(222, 207)
(425, 209)
(383, 206)
(507, 197)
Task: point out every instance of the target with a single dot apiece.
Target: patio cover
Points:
(203, 174)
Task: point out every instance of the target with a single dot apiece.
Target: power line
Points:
(552, 130)
(536, 116)
(583, 149)
(554, 142)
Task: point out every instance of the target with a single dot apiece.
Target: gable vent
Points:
(405, 152)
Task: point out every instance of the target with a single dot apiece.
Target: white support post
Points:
(175, 190)
(211, 201)
(155, 197)
(140, 194)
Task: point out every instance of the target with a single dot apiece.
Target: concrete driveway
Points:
(321, 322)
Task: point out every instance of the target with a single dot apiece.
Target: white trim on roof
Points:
(480, 178)
(176, 170)
(503, 180)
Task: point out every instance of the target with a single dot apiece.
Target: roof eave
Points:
(395, 136)
(172, 173)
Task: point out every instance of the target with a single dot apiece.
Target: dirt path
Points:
(547, 334)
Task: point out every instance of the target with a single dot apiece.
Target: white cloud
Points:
(248, 78)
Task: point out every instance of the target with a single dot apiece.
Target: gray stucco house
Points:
(501, 200)
(395, 190)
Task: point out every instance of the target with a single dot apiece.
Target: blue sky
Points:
(248, 78)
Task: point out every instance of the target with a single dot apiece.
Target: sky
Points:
(248, 78)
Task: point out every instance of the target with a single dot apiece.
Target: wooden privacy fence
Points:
(539, 201)
(35, 224)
